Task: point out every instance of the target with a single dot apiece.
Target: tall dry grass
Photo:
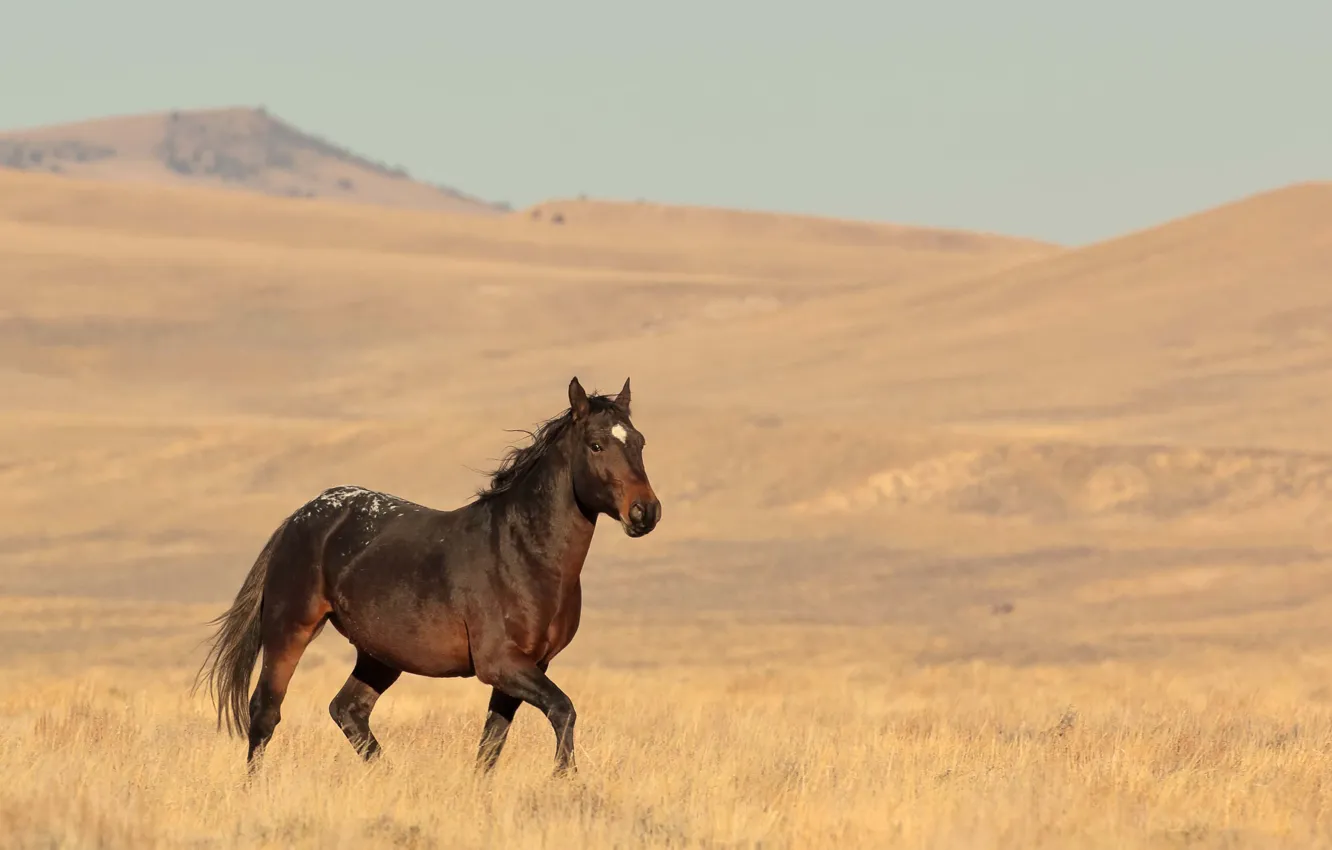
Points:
(1213, 751)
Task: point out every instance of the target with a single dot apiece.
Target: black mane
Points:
(518, 462)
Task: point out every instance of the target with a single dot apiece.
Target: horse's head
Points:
(608, 472)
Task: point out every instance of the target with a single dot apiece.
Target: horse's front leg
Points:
(498, 717)
(522, 679)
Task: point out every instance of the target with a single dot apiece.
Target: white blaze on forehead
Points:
(618, 432)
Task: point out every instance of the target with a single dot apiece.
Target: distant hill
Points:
(1213, 329)
(241, 148)
(699, 224)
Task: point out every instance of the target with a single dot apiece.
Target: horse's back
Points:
(359, 501)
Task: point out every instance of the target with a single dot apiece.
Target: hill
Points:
(239, 148)
(951, 417)
(1212, 329)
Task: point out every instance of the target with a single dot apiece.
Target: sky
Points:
(1063, 120)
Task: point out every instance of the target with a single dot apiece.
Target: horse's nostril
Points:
(636, 512)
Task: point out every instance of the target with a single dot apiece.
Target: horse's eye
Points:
(596, 447)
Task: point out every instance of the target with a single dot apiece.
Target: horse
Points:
(487, 590)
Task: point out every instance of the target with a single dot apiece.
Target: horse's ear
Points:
(578, 399)
(622, 398)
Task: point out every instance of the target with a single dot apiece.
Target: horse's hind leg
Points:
(283, 645)
(352, 706)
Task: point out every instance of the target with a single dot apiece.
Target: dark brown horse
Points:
(489, 590)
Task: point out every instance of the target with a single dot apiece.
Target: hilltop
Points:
(239, 148)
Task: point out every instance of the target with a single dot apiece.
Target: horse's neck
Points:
(549, 520)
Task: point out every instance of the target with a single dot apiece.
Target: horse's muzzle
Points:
(643, 517)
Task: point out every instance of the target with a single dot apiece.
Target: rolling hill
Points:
(1213, 329)
(940, 421)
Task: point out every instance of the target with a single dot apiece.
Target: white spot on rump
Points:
(619, 433)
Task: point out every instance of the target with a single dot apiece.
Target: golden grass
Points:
(1211, 751)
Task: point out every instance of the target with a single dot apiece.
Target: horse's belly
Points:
(429, 643)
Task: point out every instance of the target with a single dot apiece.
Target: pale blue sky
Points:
(1059, 119)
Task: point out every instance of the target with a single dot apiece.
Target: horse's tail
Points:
(236, 644)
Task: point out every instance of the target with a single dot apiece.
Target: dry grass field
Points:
(691, 737)
(969, 541)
